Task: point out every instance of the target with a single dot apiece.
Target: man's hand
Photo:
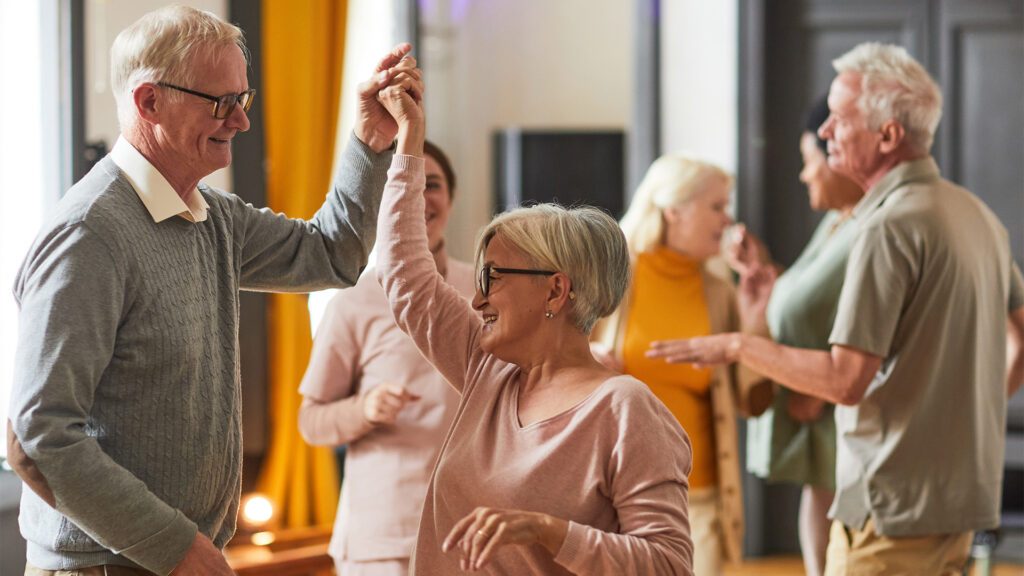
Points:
(202, 559)
(374, 126)
(484, 530)
(26, 468)
(803, 408)
(381, 405)
(701, 352)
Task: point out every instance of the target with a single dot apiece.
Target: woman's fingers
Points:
(492, 544)
(456, 532)
(483, 536)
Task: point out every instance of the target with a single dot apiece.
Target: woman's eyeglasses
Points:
(483, 282)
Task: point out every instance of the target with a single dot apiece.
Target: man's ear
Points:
(147, 101)
(893, 136)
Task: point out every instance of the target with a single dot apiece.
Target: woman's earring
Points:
(549, 314)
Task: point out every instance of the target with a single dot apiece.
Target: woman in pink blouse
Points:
(368, 386)
(554, 464)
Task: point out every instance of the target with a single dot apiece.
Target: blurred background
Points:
(566, 100)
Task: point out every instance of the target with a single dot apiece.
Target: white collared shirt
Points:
(153, 189)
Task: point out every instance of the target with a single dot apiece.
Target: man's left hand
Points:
(703, 351)
(374, 126)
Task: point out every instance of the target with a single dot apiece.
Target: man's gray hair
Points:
(895, 86)
(583, 242)
(163, 46)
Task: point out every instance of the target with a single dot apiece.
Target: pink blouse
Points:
(358, 347)
(615, 465)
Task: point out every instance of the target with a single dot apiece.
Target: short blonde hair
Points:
(582, 242)
(163, 46)
(895, 86)
(672, 179)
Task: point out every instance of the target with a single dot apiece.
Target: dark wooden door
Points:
(973, 48)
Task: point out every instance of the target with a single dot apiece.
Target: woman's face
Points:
(696, 226)
(514, 303)
(826, 189)
(438, 202)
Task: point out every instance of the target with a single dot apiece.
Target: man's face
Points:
(196, 142)
(853, 149)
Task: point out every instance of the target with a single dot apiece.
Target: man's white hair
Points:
(163, 46)
(895, 86)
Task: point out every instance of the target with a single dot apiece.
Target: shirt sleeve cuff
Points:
(572, 548)
(163, 551)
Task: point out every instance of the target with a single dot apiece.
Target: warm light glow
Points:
(257, 510)
(262, 538)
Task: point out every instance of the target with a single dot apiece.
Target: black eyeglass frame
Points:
(220, 103)
(483, 281)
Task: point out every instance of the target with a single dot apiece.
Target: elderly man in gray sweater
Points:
(125, 417)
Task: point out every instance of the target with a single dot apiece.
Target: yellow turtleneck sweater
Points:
(668, 303)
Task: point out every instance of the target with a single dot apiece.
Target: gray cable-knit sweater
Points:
(127, 385)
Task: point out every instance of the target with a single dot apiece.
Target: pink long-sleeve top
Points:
(357, 348)
(615, 465)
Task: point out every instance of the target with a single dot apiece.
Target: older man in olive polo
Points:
(919, 359)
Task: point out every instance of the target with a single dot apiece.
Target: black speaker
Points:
(571, 168)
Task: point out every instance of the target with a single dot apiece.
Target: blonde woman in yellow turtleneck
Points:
(674, 226)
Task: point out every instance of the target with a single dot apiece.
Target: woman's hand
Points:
(745, 251)
(755, 289)
(484, 530)
(403, 99)
(382, 404)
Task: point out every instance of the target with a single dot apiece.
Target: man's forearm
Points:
(829, 375)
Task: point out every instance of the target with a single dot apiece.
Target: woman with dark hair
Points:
(369, 387)
(794, 440)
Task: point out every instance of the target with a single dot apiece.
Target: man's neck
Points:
(890, 162)
(176, 173)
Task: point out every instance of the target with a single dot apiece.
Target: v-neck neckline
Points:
(517, 424)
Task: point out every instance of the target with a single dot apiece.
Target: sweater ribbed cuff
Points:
(161, 552)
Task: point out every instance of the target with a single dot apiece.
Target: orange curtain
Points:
(303, 43)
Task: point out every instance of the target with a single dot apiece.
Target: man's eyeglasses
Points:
(483, 282)
(224, 105)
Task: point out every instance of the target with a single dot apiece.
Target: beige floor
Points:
(792, 566)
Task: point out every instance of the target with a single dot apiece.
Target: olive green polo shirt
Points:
(929, 284)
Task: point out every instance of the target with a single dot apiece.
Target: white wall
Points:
(527, 63)
(699, 75)
(104, 20)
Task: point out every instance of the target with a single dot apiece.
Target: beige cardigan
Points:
(731, 387)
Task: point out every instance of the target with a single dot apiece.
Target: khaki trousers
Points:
(865, 553)
(393, 567)
(109, 570)
(706, 532)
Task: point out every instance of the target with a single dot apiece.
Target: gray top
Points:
(929, 284)
(127, 388)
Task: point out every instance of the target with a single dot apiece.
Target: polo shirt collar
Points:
(920, 170)
(153, 189)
